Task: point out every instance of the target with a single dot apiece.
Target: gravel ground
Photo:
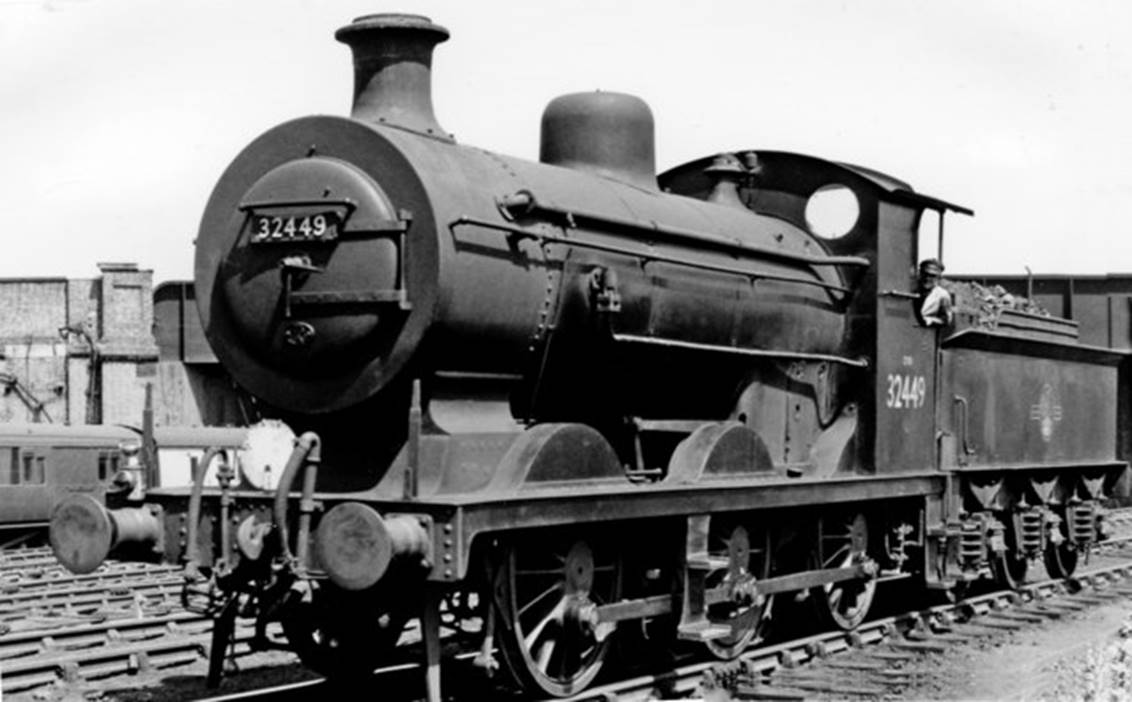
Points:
(1084, 656)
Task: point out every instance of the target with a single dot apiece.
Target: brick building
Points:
(77, 351)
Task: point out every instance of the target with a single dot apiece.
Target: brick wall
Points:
(108, 323)
(33, 367)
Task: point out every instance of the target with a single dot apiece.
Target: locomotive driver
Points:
(933, 306)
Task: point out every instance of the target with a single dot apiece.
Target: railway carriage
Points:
(577, 401)
(40, 464)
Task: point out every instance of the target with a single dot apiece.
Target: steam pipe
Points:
(192, 551)
(305, 446)
(225, 476)
(306, 505)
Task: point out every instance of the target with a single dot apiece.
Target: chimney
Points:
(393, 70)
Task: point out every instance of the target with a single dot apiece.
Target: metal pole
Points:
(940, 247)
(412, 469)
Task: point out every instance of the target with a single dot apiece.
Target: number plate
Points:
(906, 391)
(268, 229)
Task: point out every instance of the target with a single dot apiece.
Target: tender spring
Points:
(972, 543)
(1082, 522)
(1030, 525)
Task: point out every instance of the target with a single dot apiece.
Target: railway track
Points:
(12, 561)
(129, 626)
(95, 650)
(51, 598)
(869, 663)
(25, 567)
(55, 599)
(109, 574)
(122, 618)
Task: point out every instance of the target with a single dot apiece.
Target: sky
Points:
(118, 116)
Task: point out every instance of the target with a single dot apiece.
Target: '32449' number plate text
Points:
(316, 227)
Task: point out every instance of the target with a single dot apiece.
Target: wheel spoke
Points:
(569, 656)
(556, 587)
(749, 546)
(533, 572)
(545, 651)
(542, 581)
(555, 615)
(844, 554)
(845, 603)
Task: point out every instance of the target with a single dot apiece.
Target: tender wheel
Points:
(545, 593)
(843, 543)
(1061, 558)
(747, 555)
(343, 634)
(1009, 567)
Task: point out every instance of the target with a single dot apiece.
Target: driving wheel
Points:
(842, 543)
(342, 634)
(748, 556)
(546, 592)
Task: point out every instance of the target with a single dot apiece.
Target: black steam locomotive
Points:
(577, 401)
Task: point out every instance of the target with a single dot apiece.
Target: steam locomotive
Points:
(576, 401)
